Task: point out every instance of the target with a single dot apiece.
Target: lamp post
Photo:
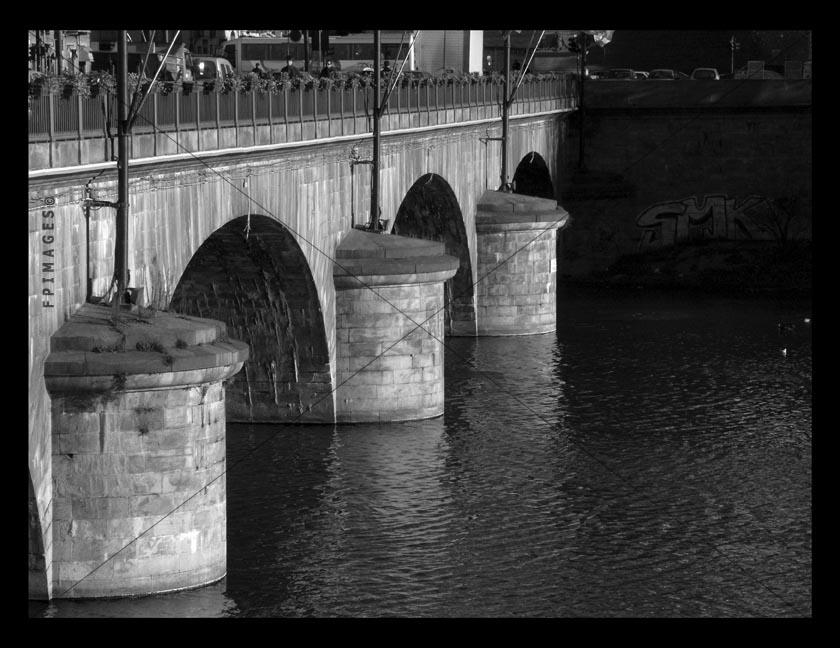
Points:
(733, 45)
(582, 58)
(59, 51)
(121, 256)
(506, 116)
(600, 37)
(374, 181)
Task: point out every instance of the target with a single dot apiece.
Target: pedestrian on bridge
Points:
(328, 71)
(290, 69)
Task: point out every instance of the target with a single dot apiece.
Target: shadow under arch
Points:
(532, 177)
(430, 211)
(261, 287)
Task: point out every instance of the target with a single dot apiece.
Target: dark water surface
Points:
(651, 458)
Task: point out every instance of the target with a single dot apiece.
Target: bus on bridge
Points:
(350, 53)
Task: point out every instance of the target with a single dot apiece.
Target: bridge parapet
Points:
(72, 131)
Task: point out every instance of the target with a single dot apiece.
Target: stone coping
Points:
(391, 258)
(500, 207)
(360, 281)
(116, 383)
(358, 244)
(91, 343)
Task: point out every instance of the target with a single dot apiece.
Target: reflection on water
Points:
(652, 458)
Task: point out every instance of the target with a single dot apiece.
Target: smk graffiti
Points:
(709, 217)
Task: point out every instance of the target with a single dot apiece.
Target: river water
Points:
(652, 458)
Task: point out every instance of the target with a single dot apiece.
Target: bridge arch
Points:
(430, 210)
(252, 275)
(533, 178)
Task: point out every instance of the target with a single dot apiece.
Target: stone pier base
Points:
(138, 444)
(516, 293)
(388, 368)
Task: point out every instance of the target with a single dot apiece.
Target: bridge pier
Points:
(516, 267)
(138, 450)
(381, 281)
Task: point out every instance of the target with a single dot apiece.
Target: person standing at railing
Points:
(290, 69)
(259, 71)
(328, 71)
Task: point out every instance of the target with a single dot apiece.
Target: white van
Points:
(210, 67)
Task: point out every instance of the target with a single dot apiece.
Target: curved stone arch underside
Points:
(262, 288)
(430, 211)
(532, 177)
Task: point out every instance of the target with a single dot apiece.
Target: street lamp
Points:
(733, 45)
(600, 37)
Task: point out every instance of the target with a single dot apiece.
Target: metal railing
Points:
(287, 115)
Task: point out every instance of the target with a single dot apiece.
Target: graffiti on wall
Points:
(709, 217)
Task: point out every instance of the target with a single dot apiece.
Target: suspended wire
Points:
(525, 67)
(384, 107)
(133, 114)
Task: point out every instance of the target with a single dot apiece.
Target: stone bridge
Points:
(252, 236)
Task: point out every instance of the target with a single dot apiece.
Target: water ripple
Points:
(651, 458)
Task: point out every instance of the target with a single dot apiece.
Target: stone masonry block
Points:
(164, 463)
(369, 348)
(141, 419)
(367, 335)
(110, 485)
(78, 423)
(99, 507)
(394, 362)
(182, 481)
(407, 376)
(78, 443)
(155, 503)
(179, 416)
(369, 378)
(150, 545)
(146, 483)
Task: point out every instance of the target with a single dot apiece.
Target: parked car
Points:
(209, 67)
(663, 74)
(621, 73)
(766, 73)
(705, 73)
(359, 67)
(638, 74)
(595, 72)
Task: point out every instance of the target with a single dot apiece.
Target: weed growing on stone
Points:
(87, 401)
(150, 345)
(114, 348)
(84, 401)
(143, 424)
(119, 381)
(181, 344)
